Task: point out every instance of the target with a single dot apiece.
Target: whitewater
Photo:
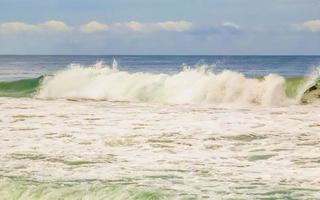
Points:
(103, 131)
(191, 85)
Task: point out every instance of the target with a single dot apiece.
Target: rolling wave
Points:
(20, 88)
(191, 85)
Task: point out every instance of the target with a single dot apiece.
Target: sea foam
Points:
(191, 85)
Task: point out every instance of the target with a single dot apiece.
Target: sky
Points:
(169, 27)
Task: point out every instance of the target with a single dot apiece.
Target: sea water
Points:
(159, 127)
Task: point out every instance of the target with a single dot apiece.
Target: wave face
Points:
(20, 88)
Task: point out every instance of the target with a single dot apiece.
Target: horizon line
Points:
(159, 55)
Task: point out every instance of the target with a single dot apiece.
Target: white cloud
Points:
(17, 27)
(231, 25)
(312, 25)
(136, 26)
(177, 26)
(54, 25)
(172, 26)
(94, 26)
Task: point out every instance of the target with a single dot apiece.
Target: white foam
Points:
(187, 149)
(197, 85)
(313, 77)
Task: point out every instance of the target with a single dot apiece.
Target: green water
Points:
(20, 88)
(293, 85)
(13, 188)
(19, 189)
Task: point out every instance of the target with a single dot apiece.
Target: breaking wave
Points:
(191, 85)
(20, 88)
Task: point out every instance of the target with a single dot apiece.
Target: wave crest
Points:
(198, 85)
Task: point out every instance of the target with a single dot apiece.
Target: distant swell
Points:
(197, 85)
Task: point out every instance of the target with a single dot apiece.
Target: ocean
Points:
(159, 127)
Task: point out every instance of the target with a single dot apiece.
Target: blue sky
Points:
(160, 27)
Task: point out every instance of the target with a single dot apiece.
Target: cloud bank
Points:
(178, 26)
(158, 37)
(312, 25)
(17, 27)
(52, 25)
(95, 27)
(231, 25)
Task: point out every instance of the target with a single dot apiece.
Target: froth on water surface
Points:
(148, 132)
(122, 150)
